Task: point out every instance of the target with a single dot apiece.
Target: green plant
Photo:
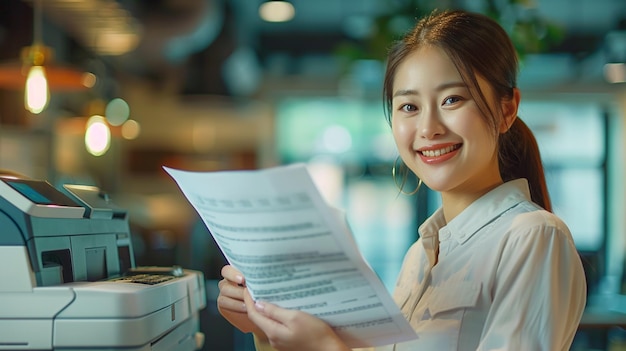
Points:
(529, 31)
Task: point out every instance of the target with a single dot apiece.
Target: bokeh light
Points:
(97, 136)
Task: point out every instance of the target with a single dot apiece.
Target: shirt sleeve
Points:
(262, 346)
(539, 292)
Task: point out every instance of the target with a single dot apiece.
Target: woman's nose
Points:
(430, 124)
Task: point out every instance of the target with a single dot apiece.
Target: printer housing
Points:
(69, 279)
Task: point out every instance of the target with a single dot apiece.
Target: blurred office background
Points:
(211, 85)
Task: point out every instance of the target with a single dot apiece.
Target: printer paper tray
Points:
(35, 334)
(111, 331)
(101, 315)
(185, 337)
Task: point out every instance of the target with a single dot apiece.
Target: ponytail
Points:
(519, 158)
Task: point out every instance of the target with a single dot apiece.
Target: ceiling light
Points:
(103, 26)
(97, 136)
(36, 94)
(37, 75)
(277, 11)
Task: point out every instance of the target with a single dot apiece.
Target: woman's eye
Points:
(408, 108)
(451, 100)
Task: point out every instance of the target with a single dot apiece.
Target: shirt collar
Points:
(429, 231)
(467, 223)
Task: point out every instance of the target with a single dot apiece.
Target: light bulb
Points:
(37, 94)
(97, 136)
(277, 11)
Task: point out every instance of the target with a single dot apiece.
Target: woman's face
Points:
(438, 128)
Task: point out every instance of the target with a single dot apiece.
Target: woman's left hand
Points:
(291, 329)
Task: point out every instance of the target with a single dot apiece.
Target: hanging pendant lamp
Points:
(37, 74)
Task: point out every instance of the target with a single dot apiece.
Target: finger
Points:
(268, 310)
(256, 313)
(249, 303)
(273, 312)
(232, 274)
(227, 303)
(230, 289)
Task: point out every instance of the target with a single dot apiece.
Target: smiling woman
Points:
(493, 268)
(435, 119)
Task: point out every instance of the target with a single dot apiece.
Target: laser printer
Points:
(68, 279)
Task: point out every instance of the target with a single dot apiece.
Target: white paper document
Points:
(295, 250)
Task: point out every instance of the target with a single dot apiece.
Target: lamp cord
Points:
(37, 22)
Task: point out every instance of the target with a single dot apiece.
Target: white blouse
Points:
(508, 277)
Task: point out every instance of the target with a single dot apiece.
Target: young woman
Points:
(493, 269)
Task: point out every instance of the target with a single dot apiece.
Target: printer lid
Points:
(96, 202)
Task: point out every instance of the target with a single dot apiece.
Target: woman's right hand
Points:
(230, 301)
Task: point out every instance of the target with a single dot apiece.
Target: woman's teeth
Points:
(435, 153)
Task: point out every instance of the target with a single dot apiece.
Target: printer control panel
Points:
(150, 275)
(148, 279)
(39, 198)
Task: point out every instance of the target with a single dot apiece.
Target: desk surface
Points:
(602, 318)
(604, 311)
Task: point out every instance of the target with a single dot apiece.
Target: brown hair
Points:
(478, 45)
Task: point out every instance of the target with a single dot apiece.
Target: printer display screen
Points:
(28, 191)
(40, 192)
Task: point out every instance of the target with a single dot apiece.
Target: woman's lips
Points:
(439, 153)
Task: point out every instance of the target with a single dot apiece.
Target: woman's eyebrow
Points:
(405, 92)
(444, 86)
(449, 85)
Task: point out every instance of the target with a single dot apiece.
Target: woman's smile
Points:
(438, 153)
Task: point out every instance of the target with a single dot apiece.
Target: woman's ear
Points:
(509, 110)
